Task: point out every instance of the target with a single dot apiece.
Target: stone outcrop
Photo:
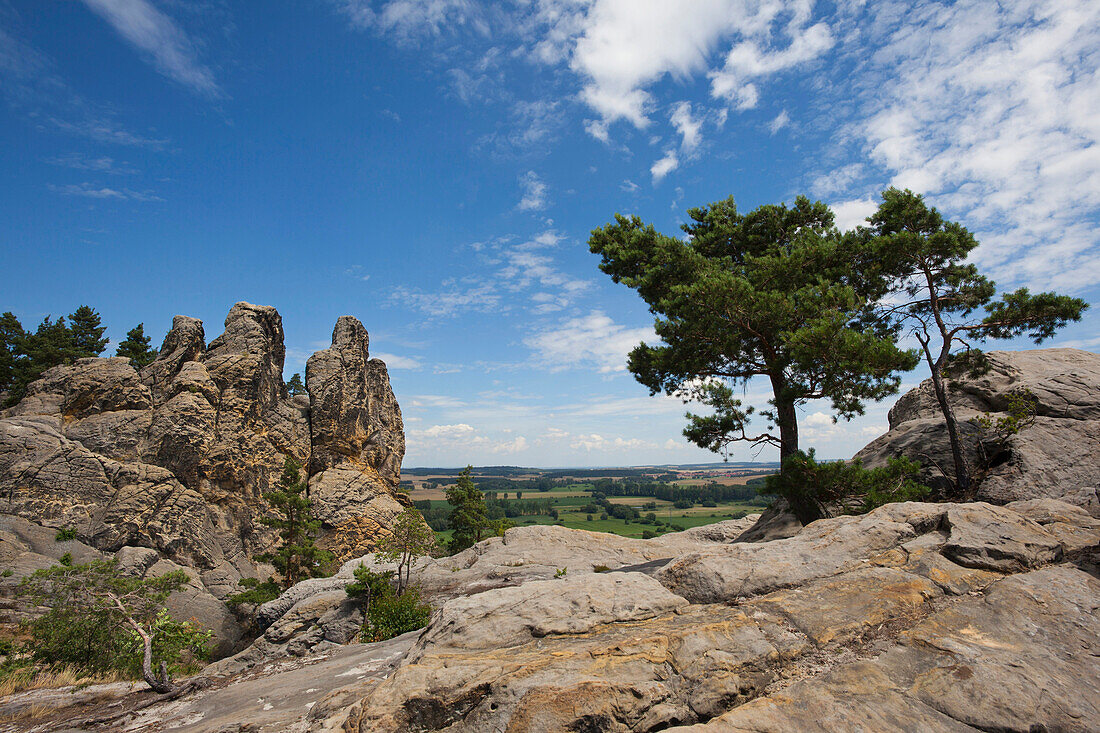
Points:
(175, 457)
(1059, 452)
(914, 617)
(358, 440)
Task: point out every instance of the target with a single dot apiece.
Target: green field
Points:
(569, 500)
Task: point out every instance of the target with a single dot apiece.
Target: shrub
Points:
(395, 615)
(256, 593)
(99, 621)
(648, 534)
(64, 534)
(824, 488)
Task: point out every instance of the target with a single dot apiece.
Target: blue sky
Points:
(434, 167)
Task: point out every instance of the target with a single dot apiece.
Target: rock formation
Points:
(175, 457)
(358, 440)
(1059, 452)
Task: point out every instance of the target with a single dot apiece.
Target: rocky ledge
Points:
(931, 617)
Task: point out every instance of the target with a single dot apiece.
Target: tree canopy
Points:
(469, 520)
(777, 293)
(24, 356)
(136, 347)
(941, 298)
(99, 620)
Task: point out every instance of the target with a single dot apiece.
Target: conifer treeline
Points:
(25, 355)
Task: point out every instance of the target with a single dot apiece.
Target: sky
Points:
(435, 167)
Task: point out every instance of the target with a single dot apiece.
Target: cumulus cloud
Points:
(664, 166)
(687, 126)
(850, 214)
(154, 33)
(594, 340)
(752, 60)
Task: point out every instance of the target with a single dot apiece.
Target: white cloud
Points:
(752, 60)
(449, 300)
(664, 166)
(100, 164)
(850, 214)
(534, 192)
(153, 32)
(628, 186)
(393, 361)
(593, 340)
(994, 111)
(687, 126)
(781, 120)
(410, 19)
(596, 442)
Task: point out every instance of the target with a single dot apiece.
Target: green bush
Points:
(255, 593)
(648, 534)
(393, 615)
(820, 489)
(64, 534)
(85, 629)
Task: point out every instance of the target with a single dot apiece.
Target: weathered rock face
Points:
(1058, 453)
(358, 439)
(176, 457)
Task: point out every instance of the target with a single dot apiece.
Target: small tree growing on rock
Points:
(295, 386)
(95, 617)
(469, 520)
(297, 557)
(411, 538)
(925, 255)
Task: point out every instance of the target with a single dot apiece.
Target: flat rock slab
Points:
(1022, 657)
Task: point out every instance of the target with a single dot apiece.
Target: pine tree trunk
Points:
(962, 472)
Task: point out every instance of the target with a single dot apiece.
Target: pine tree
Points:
(926, 256)
(295, 386)
(136, 347)
(297, 557)
(777, 293)
(86, 333)
(11, 338)
(469, 520)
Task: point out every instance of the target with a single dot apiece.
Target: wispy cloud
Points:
(30, 85)
(534, 192)
(161, 39)
(393, 361)
(99, 164)
(993, 110)
(93, 191)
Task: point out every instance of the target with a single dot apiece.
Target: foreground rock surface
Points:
(175, 457)
(914, 617)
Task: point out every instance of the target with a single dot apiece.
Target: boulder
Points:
(891, 621)
(1066, 386)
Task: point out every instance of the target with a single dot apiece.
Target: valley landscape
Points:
(567, 366)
